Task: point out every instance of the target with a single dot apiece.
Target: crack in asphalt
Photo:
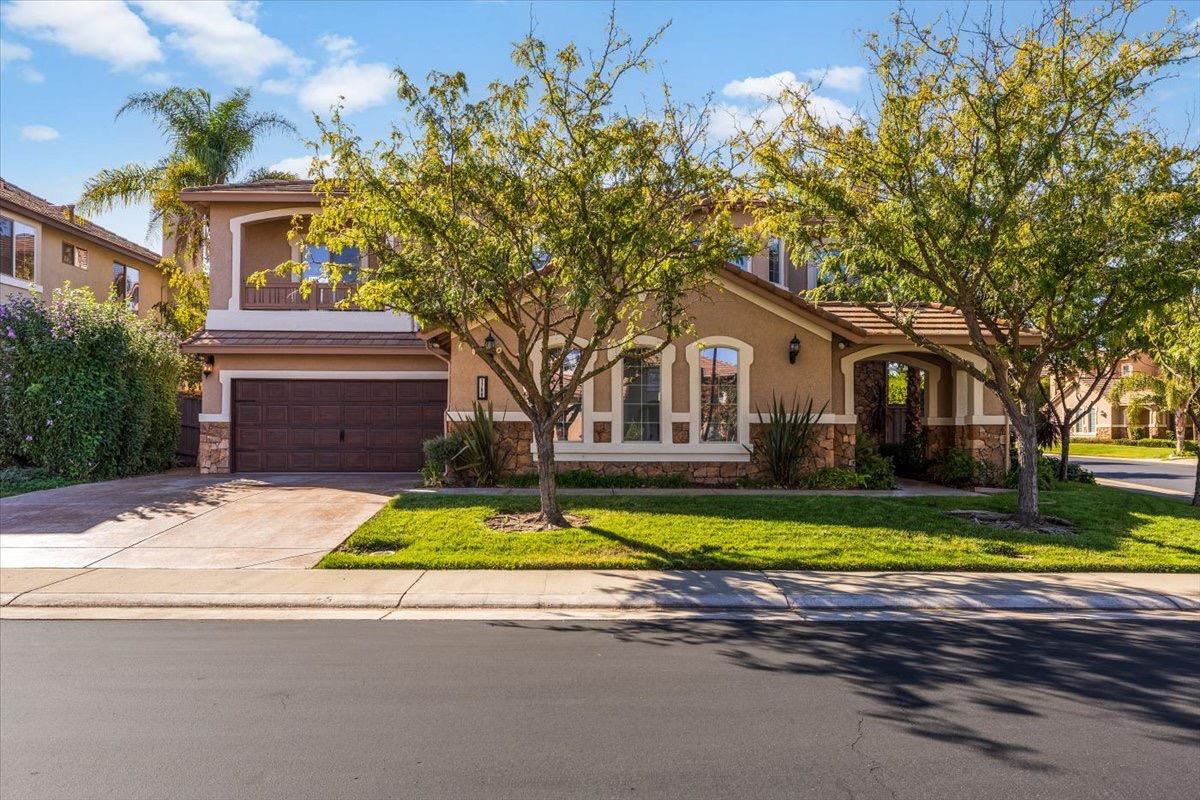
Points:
(872, 766)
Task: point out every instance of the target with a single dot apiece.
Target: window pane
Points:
(119, 281)
(641, 405)
(742, 262)
(6, 245)
(775, 260)
(569, 427)
(68, 253)
(133, 287)
(718, 394)
(24, 246)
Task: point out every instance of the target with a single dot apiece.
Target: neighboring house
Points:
(293, 384)
(44, 246)
(1107, 421)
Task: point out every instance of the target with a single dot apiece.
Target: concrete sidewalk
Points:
(611, 590)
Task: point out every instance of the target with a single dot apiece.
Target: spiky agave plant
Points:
(786, 438)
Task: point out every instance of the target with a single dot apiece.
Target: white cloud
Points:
(11, 51)
(32, 75)
(104, 29)
(848, 79)
(339, 48)
(219, 35)
(298, 165)
(767, 87)
(355, 86)
(38, 133)
(729, 119)
(278, 86)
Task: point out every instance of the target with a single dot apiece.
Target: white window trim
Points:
(226, 377)
(38, 242)
(745, 359)
(666, 362)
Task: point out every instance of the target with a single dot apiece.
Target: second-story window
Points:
(126, 284)
(317, 257)
(18, 244)
(742, 263)
(569, 427)
(775, 260)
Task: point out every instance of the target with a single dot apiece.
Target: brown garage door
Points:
(334, 426)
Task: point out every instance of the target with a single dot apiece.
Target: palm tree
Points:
(209, 144)
(1140, 392)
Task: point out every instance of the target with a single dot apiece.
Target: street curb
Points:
(1083, 601)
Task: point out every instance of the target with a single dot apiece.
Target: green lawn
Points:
(1118, 531)
(1106, 450)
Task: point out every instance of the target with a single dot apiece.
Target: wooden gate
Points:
(188, 443)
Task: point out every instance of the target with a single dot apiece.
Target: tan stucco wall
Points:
(211, 403)
(722, 314)
(796, 275)
(51, 273)
(221, 242)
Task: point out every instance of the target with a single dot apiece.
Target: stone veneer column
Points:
(985, 443)
(213, 454)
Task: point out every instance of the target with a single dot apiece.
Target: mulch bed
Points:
(530, 521)
(1009, 522)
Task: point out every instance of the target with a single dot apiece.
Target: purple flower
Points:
(29, 437)
(58, 402)
(49, 423)
(12, 334)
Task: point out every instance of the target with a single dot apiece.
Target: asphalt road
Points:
(696, 709)
(1177, 475)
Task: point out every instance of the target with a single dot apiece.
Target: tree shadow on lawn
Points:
(1105, 517)
(924, 677)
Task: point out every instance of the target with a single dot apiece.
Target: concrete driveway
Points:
(182, 520)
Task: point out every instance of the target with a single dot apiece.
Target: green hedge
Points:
(87, 390)
(1188, 446)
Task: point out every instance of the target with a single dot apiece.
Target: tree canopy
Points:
(1007, 170)
(539, 212)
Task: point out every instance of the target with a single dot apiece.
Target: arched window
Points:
(641, 397)
(719, 399)
(569, 427)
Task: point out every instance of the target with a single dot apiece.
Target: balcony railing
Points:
(287, 297)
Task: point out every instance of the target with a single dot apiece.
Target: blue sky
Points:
(67, 66)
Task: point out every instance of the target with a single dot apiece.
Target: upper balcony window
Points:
(18, 246)
(317, 258)
(741, 262)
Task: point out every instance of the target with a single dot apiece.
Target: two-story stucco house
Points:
(293, 384)
(44, 246)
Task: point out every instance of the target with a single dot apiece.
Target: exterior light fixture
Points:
(489, 342)
(793, 349)
(209, 361)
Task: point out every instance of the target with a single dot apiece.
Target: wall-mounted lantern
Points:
(793, 349)
(209, 361)
(489, 342)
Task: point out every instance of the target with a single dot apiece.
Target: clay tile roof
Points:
(59, 217)
(210, 341)
(265, 185)
(934, 320)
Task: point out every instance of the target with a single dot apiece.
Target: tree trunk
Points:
(551, 512)
(1196, 490)
(1180, 430)
(1027, 459)
(1064, 440)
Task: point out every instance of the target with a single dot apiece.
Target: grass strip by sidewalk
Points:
(1106, 450)
(1117, 531)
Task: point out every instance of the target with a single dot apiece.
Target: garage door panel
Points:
(328, 426)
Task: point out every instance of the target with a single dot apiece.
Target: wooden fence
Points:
(188, 444)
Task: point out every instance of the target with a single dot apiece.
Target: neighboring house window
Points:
(1086, 424)
(18, 244)
(718, 394)
(126, 284)
(1126, 370)
(317, 256)
(569, 427)
(775, 260)
(742, 263)
(641, 400)
(75, 256)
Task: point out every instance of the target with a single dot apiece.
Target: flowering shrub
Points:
(87, 390)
